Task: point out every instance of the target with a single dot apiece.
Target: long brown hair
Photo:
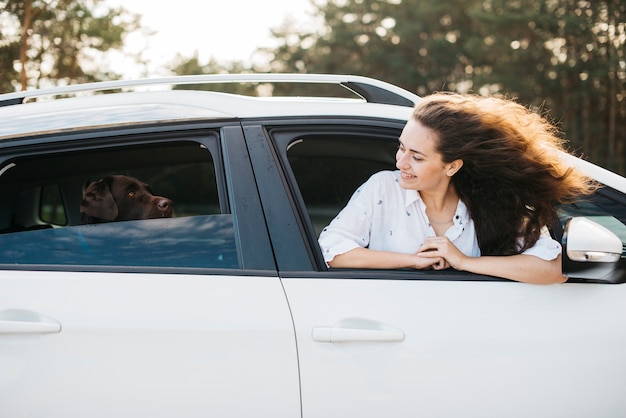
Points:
(512, 178)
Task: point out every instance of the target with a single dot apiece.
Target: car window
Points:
(328, 167)
(41, 200)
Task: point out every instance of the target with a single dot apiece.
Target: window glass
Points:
(46, 219)
(200, 241)
(51, 206)
(328, 169)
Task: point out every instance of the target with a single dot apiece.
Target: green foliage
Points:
(48, 41)
(565, 56)
(187, 66)
(416, 44)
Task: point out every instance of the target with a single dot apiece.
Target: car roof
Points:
(371, 98)
(171, 106)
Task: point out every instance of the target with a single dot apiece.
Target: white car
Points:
(226, 309)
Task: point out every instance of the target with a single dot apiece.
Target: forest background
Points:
(564, 58)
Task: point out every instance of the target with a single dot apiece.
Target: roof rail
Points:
(372, 90)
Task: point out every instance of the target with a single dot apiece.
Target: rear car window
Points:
(40, 207)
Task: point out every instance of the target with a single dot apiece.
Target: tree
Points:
(416, 44)
(58, 40)
(9, 49)
(565, 56)
(190, 66)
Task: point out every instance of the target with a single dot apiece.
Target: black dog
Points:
(122, 198)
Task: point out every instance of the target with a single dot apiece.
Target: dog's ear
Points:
(98, 202)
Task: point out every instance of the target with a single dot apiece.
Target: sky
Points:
(226, 30)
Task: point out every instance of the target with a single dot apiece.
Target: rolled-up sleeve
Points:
(545, 248)
(352, 226)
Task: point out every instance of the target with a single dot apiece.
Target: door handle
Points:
(348, 335)
(22, 327)
(16, 321)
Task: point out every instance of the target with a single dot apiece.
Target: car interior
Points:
(45, 190)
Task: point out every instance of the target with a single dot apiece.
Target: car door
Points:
(438, 345)
(425, 343)
(154, 318)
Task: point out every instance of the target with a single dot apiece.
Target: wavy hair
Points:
(512, 178)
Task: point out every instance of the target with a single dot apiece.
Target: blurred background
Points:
(564, 58)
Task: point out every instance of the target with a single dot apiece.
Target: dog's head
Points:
(122, 198)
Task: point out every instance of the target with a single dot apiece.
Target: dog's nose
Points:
(165, 207)
(165, 204)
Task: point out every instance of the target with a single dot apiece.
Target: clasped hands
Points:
(438, 253)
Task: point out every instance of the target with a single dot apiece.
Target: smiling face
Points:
(421, 166)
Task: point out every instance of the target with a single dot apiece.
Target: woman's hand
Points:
(434, 262)
(519, 267)
(441, 248)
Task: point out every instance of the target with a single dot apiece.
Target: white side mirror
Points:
(592, 252)
(588, 241)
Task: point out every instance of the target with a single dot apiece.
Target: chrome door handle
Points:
(21, 327)
(345, 335)
(17, 321)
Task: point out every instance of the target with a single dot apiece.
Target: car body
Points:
(227, 309)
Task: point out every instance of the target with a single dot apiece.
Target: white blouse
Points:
(381, 215)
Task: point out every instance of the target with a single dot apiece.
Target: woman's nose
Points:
(401, 161)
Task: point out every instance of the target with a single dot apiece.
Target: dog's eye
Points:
(131, 194)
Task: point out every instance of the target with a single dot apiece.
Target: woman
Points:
(478, 180)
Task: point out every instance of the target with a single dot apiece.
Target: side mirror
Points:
(592, 252)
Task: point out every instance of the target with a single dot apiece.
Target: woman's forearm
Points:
(521, 268)
(366, 258)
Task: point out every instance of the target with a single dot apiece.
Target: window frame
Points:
(283, 136)
(211, 135)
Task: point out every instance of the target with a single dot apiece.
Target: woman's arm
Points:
(521, 267)
(374, 259)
